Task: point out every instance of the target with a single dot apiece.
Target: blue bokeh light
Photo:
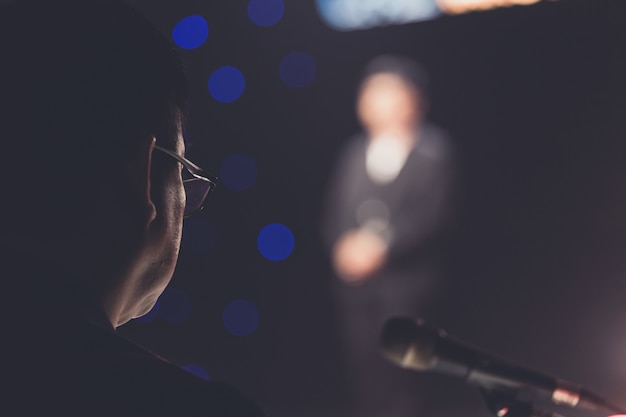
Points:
(151, 315)
(240, 317)
(238, 172)
(266, 12)
(197, 371)
(175, 305)
(199, 236)
(191, 32)
(275, 242)
(297, 69)
(226, 84)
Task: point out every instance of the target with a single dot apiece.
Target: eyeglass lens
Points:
(196, 191)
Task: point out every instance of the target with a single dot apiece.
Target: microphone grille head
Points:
(409, 343)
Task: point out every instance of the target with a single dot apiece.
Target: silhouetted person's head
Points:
(88, 88)
(392, 96)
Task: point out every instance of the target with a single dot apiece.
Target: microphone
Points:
(414, 345)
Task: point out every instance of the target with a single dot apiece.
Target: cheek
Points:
(174, 206)
(178, 211)
(181, 199)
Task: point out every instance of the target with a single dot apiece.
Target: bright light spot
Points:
(151, 315)
(275, 242)
(238, 172)
(199, 236)
(240, 317)
(191, 32)
(226, 84)
(363, 14)
(464, 6)
(175, 305)
(297, 69)
(266, 12)
(197, 371)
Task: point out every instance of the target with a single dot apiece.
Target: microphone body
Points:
(414, 345)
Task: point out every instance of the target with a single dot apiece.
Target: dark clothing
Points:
(415, 206)
(418, 200)
(63, 358)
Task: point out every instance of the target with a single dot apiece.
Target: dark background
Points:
(535, 98)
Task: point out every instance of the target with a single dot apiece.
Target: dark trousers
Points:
(377, 387)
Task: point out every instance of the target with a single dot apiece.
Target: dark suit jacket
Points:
(418, 200)
(61, 357)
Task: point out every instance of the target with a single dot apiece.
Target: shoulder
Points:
(161, 385)
(126, 377)
(351, 153)
(355, 145)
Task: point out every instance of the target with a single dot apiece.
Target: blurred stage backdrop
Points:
(535, 99)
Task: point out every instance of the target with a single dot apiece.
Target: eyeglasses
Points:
(198, 185)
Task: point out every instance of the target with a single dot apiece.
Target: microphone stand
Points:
(503, 403)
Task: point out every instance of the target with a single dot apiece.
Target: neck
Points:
(405, 134)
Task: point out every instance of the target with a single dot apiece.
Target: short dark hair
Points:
(81, 81)
(404, 68)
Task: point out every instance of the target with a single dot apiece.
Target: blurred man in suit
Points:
(386, 210)
(95, 187)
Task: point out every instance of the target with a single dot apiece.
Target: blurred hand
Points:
(358, 254)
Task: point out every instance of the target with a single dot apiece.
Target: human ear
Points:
(138, 173)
